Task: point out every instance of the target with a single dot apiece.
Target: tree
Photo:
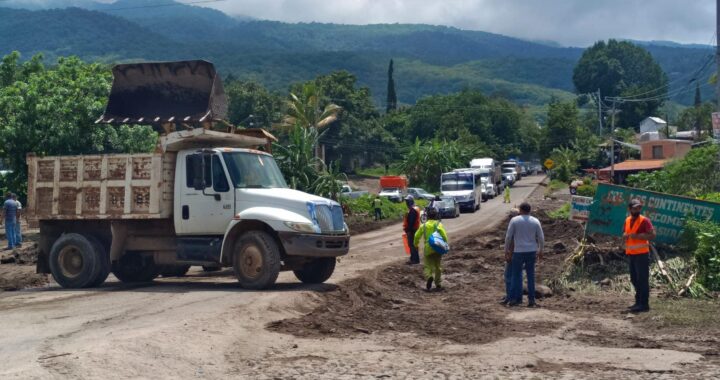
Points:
(306, 110)
(566, 163)
(250, 102)
(424, 162)
(357, 135)
(697, 118)
(53, 112)
(563, 123)
(620, 68)
(391, 96)
(695, 175)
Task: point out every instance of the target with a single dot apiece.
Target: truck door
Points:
(207, 203)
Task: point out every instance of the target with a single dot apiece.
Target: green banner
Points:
(666, 212)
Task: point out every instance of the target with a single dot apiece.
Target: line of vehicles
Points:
(463, 189)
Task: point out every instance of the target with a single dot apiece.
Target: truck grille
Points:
(330, 218)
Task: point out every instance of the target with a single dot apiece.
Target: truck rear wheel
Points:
(316, 271)
(74, 262)
(134, 267)
(174, 270)
(256, 260)
(103, 261)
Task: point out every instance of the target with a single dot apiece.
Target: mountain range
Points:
(428, 59)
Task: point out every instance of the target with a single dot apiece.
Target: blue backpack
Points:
(437, 242)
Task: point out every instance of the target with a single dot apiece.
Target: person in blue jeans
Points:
(524, 242)
(18, 232)
(9, 212)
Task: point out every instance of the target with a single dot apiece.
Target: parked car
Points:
(394, 194)
(447, 207)
(348, 191)
(419, 193)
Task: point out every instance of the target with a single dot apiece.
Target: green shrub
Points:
(587, 190)
(702, 239)
(363, 205)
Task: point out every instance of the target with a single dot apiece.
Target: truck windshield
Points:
(254, 171)
(456, 186)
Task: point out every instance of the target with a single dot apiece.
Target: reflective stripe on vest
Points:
(635, 246)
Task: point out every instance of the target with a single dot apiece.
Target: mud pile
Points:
(17, 266)
(467, 311)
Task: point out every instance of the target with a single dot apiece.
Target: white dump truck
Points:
(205, 197)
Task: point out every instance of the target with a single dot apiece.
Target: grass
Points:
(685, 312)
(561, 213)
(556, 185)
(379, 170)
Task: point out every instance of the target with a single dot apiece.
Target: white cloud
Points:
(570, 22)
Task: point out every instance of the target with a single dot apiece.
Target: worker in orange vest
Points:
(411, 223)
(637, 233)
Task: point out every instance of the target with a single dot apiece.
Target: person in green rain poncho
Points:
(431, 259)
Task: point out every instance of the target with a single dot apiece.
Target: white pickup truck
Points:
(205, 198)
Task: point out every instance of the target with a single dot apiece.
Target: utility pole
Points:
(717, 51)
(612, 138)
(612, 142)
(600, 112)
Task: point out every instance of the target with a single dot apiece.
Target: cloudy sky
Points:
(569, 22)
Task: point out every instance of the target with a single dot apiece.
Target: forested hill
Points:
(428, 59)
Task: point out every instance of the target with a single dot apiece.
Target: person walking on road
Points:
(411, 223)
(638, 231)
(524, 242)
(377, 204)
(432, 267)
(506, 194)
(18, 232)
(9, 212)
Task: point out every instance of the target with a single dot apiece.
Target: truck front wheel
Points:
(74, 263)
(316, 271)
(134, 267)
(256, 260)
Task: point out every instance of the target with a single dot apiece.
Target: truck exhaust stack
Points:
(158, 93)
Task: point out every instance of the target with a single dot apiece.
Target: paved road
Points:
(198, 326)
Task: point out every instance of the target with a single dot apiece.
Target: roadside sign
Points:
(666, 212)
(549, 164)
(716, 124)
(580, 208)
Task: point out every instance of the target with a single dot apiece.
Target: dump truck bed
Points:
(110, 186)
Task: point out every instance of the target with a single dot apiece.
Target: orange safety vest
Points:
(416, 225)
(635, 246)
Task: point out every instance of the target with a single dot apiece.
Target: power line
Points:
(667, 85)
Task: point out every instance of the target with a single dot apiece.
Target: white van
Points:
(465, 185)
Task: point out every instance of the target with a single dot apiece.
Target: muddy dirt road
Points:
(198, 326)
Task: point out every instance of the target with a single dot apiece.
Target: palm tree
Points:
(305, 111)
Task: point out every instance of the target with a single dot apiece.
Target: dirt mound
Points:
(17, 266)
(394, 299)
(467, 311)
(16, 277)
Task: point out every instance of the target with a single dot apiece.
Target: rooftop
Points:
(637, 165)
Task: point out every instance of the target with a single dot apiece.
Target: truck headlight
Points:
(302, 227)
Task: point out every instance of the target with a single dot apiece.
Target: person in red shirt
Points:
(637, 233)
